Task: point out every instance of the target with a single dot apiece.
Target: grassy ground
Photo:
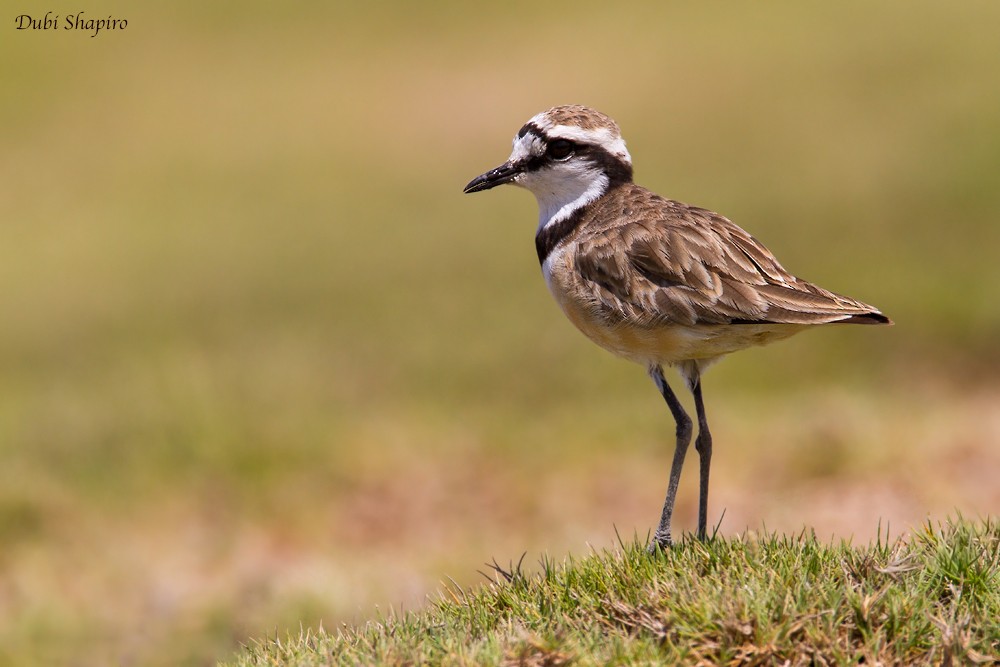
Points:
(933, 598)
(263, 365)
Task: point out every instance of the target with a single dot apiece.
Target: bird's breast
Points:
(624, 339)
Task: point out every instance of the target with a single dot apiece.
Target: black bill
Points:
(505, 173)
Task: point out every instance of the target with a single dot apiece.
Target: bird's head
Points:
(567, 156)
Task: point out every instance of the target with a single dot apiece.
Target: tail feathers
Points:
(874, 317)
(785, 316)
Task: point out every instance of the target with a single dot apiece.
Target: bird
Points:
(650, 279)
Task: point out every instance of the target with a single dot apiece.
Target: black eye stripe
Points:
(560, 149)
(617, 169)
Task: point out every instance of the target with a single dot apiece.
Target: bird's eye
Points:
(561, 149)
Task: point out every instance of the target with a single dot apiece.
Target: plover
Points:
(650, 279)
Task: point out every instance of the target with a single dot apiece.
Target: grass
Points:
(755, 599)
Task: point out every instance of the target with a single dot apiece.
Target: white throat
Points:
(560, 197)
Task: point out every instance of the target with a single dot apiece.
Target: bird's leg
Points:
(704, 446)
(662, 536)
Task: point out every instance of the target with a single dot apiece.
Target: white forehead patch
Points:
(527, 146)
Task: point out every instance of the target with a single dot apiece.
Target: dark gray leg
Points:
(662, 536)
(704, 446)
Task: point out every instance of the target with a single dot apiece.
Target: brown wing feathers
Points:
(667, 262)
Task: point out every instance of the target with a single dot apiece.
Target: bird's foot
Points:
(661, 542)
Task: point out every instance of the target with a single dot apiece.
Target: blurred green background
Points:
(262, 364)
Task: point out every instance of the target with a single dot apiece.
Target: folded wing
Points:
(666, 262)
